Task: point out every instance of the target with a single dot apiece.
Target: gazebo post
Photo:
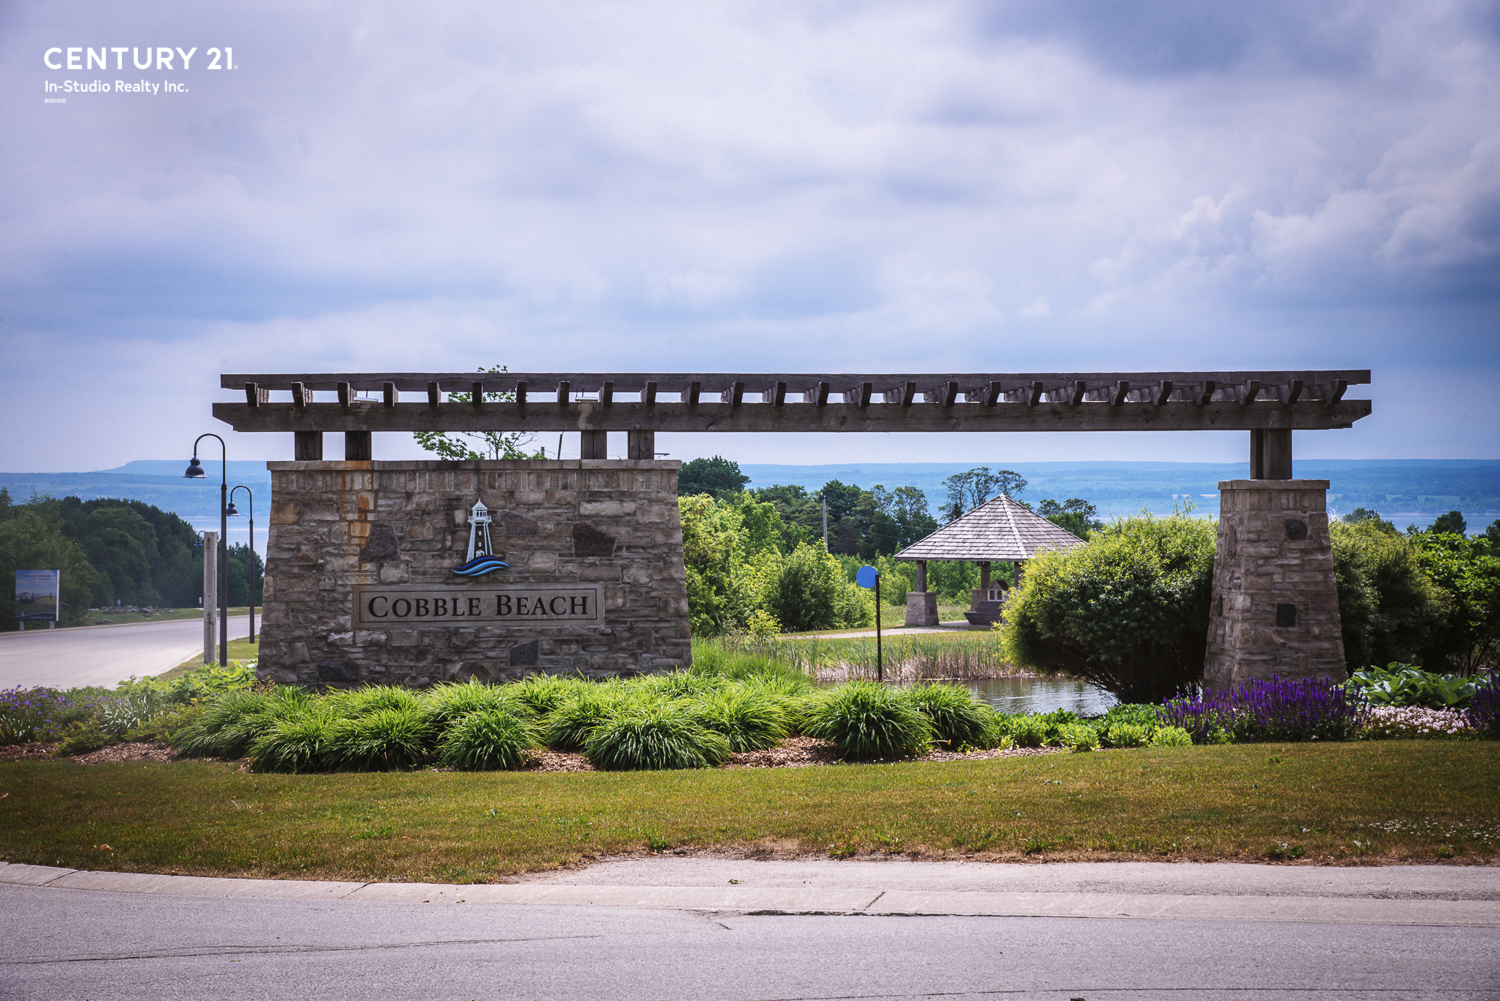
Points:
(983, 594)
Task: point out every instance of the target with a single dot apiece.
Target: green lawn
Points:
(1355, 802)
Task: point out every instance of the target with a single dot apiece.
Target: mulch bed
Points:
(795, 752)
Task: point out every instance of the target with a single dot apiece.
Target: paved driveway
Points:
(102, 655)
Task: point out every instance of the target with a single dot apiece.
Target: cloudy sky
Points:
(1001, 186)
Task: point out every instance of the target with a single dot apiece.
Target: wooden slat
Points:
(648, 395)
(1120, 394)
(521, 388)
(678, 382)
(564, 392)
(301, 395)
(1163, 392)
(476, 395)
(607, 392)
(346, 395)
(434, 394)
(390, 394)
(876, 417)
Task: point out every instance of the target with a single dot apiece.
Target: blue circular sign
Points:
(866, 576)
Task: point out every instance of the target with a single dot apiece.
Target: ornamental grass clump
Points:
(386, 739)
(953, 713)
(371, 699)
(488, 740)
(570, 724)
(445, 704)
(296, 744)
(541, 694)
(747, 719)
(655, 736)
(228, 726)
(868, 721)
(1281, 709)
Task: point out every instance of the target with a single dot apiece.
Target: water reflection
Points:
(1041, 695)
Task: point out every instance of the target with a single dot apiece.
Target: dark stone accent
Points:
(1296, 529)
(1286, 615)
(525, 654)
(1231, 541)
(589, 541)
(476, 671)
(1219, 606)
(335, 672)
(516, 524)
(381, 546)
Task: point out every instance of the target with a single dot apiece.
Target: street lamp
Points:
(235, 514)
(195, 472)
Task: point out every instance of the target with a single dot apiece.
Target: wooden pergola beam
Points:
(547, 415)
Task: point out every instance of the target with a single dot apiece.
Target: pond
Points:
(1041, 695)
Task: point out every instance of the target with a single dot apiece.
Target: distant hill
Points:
(1404, 491)
(1410, 491)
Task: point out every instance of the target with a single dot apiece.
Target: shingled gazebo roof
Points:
(999, 531)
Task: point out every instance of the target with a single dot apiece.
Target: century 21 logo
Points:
(163, 58)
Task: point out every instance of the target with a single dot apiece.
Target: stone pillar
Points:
(921, 608)
(1274, 607)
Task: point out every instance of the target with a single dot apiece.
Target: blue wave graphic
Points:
(481, 565)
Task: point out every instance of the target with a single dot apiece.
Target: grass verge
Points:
(238, 650)
(1388, 801)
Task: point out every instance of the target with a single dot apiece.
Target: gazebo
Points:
(1000, 530)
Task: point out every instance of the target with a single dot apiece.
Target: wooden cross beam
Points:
(743, 402)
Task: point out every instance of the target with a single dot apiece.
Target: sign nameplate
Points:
(509, 604)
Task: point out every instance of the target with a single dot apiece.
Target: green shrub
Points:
(865, 721)
(1405, 685)
(1027, 731)
(655, 737)
(749, 720)
(383, 740)
(1126, 735)
(1171, 736)
(1078, 737)
(118, 715)
(85, 736)
(954, 715)
(295, 744)
(487, 740)
(809, 591)
(1389, 608)
(166, 725)
(1148, 716)
(1128, 610)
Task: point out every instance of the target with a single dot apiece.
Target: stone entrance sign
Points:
(361, 581)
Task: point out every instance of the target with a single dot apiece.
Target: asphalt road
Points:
(231, 939)
(102, 655)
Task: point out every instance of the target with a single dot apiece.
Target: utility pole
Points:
(825, 524)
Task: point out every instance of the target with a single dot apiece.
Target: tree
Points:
(1470, 578)
(968, 490)
(718, 477)
(1075, 515)
(1452, 522)
(1364, 515)
(1389, 608)
(1127, 610)
(242, 562)
(31, 538)
(495, 444)
(809, 591)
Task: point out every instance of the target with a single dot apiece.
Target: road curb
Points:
(794, 900)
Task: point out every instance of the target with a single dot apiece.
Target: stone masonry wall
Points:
(1275, 606)
(336, 526)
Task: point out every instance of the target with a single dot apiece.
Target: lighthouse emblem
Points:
(482, 558)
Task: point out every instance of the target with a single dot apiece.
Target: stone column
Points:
(1274, 607)
(921, 604)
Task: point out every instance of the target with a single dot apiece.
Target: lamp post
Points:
(195, 472)
(235, 514)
